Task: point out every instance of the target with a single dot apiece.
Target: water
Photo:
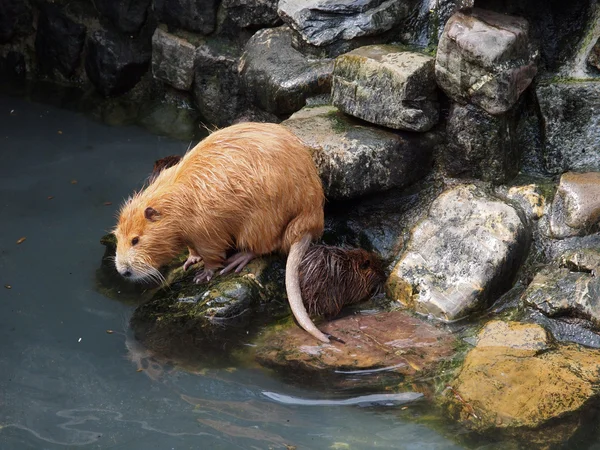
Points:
(65, 381)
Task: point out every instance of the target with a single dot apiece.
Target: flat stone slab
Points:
(385, 85)
(461, 256)
(173, 60)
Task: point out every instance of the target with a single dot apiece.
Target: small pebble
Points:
(21, 240)
(79, 340)
(8, 286)
(109, 331)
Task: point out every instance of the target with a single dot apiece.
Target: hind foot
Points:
(237, 261)
(192, 259)
(204, 276)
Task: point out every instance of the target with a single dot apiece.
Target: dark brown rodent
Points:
(333, 277)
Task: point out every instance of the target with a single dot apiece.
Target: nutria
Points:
(333, 277)
(162, 164)
(251, 186)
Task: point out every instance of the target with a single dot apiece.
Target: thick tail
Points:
(292, 285)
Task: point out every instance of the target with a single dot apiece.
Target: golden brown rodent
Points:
(334, 277)
(250, 186)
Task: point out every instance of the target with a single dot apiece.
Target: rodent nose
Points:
(127, 273)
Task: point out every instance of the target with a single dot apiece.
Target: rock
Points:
(485, 58)
(364, 78)
(594, 56)
(15, 19)
(519, 337)
(585, 260)
(576, 205)
(173, 60)
(322, 22)
(115, 63)
(192, 15)
(252, 13)
(127, 15)
(556, 291)
(218, 90)
(464, 254)
(530, 198)
(570, 112)
(13, 65)
(480, 145)
(567, 329)
(504, 388)
(406, 346)
(354, 159)
(171, 114)
(278, 78)
(59, 42)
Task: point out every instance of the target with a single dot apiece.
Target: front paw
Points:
(191, 261)
(204, 276)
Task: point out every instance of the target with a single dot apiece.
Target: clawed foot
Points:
(204, 276)
(191, 261)
(237, 261)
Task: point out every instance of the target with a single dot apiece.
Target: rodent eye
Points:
(135, 240)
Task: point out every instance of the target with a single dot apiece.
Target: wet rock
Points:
(115, 63)
(364, 78)
(485, 58)
(278, 78)
(480, 145)
(576, 205)
(59, 42)
(322, 22)
(252, 13)
(192, 15)
(218, 90)
(464, 254)
(354, 159)
(594, 57)
(530, 197)
(15, 19)
(567, 329)
(406, 346)
(505, 388)
(173, 60)
(570, 111)
(170, 114)
(127, 15)
(513, 336)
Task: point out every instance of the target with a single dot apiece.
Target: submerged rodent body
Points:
(333, 277)
(252, 187)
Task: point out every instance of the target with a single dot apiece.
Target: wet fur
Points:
(333, 277)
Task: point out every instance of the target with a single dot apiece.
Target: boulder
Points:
(390, 347)
(485, 58)
(481, 145)
(576, 205)
(517, 383)
(127, 15)
(192, 15)
(15, 19)
(594, 56)
(115, 63)
(463, 255)
(252, 13)
(354, 159)
(322, 22)
(385, 85)
(218, 91)
(59, 42)
(570, 111)
(530, 197)
(278, 78)
(173, 60)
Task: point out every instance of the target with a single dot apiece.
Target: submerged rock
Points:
(173, 60)
(193, 15)
(520, 384)
(170, 114)
(576, 205)
(59, 42)
(571, 113)
(322, 22)
(354, 159)
(364, 78)
(485, 58)
(380, 349)
(464, 254)
(278, 78)
(480, 145)
(127, 15)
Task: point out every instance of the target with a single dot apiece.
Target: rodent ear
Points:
(365, 264)
(151, 214)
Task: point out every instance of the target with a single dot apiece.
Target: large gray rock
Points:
(127, 15)
(278, 78)
(571, 114)
(251, 13)
(576, 205)
(193, 15)
(322, 22)
(354, 159)
(481, 145)
(464, 254)
(173, 60)
(385, 85)
(485, 58)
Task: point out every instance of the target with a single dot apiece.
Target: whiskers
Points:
(145, 272)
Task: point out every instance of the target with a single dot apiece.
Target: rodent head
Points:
(369, 270)
(145, 241)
